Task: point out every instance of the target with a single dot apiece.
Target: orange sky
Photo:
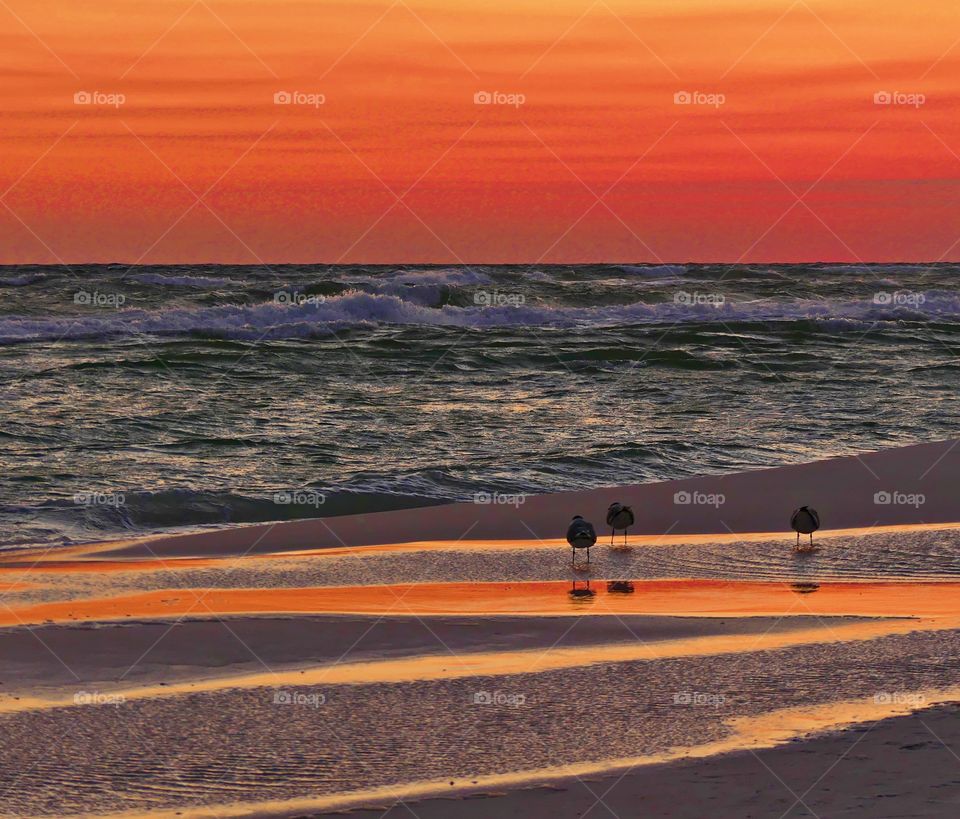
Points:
(493, 182)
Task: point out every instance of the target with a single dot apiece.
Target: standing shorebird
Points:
(619, 517)
(805, 521)
(580, 535)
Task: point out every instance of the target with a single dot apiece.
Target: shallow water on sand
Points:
(284, 741)
(918, 555)
(926, 555)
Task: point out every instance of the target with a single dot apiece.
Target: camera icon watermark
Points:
(907, 698)
(313, 100)
(98, 698)
(114, 499)
(499, 499)
(501, 698)
(913, 100)
(699, 698)
(99, 98)
(299, 497)
(699, 299)
(699, 98)
(894, 498)
(498, 298)
(299, 698)
(294, 297)
(898, 298)
(88, 298)
(499, 98)
(684, 498)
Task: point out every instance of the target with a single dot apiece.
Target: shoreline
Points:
(843, 489)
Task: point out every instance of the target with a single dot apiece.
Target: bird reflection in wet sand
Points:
(804, 579)
(580, 592)
(620, 587)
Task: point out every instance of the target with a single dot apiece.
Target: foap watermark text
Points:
(499, 499)
(499, 98)
(894, 498)
(299, 497)
(699, 98)
(512, 700)
(684, 498)
(308, 99)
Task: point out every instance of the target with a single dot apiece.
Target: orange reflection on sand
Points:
(695, 598)
(520, 661)
(18, 585)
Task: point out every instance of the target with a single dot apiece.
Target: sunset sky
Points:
(783, 155)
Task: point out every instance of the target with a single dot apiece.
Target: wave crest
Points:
(355, 309)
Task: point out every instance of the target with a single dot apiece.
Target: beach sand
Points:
(707, 668)
(896, 767)
(842, 489)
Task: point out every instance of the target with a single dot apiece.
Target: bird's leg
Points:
(624, 537)
(798, 540)
(811, 539)
(612, 531)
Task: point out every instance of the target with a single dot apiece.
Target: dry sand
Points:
(842, 489)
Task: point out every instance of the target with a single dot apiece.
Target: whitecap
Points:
(180, 281)
(352, 309)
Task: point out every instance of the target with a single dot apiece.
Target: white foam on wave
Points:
(425, 287)
(879, 268)
(21, 281)
(271, 320)
(180, 281)
(449, 276)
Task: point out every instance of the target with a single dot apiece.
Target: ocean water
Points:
(142, 399)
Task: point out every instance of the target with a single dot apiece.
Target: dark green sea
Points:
(147, 398)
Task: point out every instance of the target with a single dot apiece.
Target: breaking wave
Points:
(322, 315)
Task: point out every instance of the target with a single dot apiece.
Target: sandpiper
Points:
(619, 517)
(805, 521)
(580, 535)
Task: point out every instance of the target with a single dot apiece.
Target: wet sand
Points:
(230, 750)
(896, 767)
(166, 654)
(54, 659)
(682, 598)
